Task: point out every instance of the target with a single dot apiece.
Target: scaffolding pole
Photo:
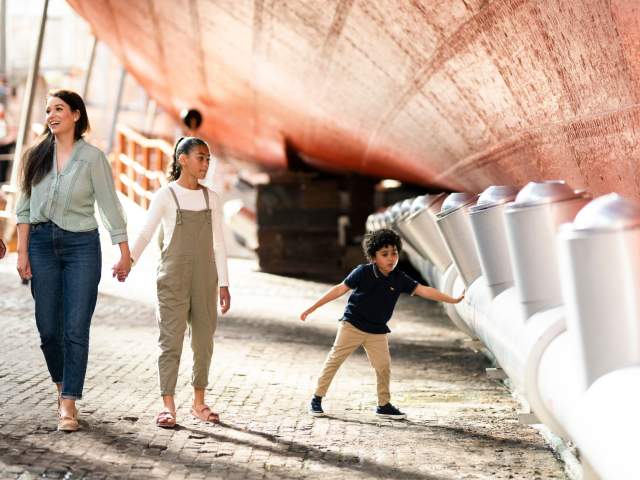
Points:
(150, 116)
(3, 39)
(23, 132)
(27, 101)
(116, 109)
(89, 70)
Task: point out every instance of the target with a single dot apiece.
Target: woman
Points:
(58, 243)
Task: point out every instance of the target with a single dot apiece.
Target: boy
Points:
(376, 287)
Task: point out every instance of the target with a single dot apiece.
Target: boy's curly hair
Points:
(378, 239)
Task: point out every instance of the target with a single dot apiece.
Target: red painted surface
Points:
(462, 93)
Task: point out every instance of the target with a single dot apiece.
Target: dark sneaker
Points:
(315, 408)
(389, 411)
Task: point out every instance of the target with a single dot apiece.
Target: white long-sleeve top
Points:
(163, 210)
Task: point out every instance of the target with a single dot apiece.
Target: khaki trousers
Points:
(348, 339)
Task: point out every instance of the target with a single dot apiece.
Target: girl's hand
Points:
(24, 266)
(122, 268)
(225, 299)
(305, 314)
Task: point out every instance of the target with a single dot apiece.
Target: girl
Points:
(192, 265)
(58, 243)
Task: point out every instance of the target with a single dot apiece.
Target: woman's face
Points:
(196, 162)
(60, 118)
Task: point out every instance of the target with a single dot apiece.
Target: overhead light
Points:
(390, 183)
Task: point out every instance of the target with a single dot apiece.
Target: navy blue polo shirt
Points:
(374, 296)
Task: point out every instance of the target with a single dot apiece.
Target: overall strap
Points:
(205, 192)
(178, 211)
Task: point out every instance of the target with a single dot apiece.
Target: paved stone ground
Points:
(460, 426)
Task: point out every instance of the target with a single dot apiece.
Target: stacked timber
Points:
(305, 224)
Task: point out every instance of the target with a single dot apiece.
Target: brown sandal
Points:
(205, 414)
(68, 423)
(166, 419)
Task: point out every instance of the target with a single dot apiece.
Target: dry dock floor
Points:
(460, 424)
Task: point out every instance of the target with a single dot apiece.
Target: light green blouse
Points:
(67, 198)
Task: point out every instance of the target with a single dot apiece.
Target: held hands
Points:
(225, 299)
(122, 268)
(24, 266)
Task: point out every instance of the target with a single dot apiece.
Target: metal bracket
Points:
(528, 418)
(473, 344)
(496, 373)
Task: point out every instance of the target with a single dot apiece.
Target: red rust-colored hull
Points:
(459, 94)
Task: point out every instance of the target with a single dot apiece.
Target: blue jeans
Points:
(66, 270)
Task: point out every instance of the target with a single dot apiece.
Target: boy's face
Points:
(386, 259)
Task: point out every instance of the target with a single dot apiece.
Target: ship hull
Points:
(458, 95)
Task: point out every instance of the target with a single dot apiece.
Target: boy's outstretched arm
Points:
(433, 294)
(333, 293)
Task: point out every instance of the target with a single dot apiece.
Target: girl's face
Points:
(60, 118)
(196, 162)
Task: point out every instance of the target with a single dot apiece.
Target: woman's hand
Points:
(122, 268)
(24, 266)
(225, 299)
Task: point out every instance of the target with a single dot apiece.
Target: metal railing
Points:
(139, 165)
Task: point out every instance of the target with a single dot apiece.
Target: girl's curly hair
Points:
(378, 239)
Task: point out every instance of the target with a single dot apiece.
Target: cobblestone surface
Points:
(460, 425)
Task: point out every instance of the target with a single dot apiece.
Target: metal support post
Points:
(89, 70)
(3, 38)
(116, 109)
(23, 129)
(150, 116)
(27, 101)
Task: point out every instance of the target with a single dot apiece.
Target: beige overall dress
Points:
(187, 295)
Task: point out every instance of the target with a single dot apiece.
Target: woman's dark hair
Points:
(378, 239)
(183, 145)
(37, 161)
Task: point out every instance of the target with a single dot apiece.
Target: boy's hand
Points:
(335, 292)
